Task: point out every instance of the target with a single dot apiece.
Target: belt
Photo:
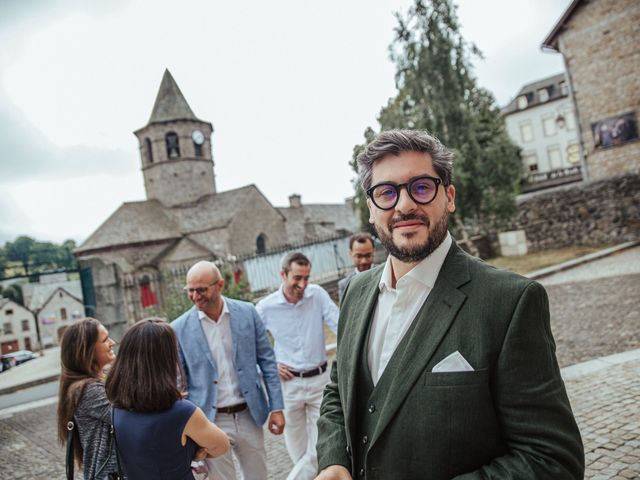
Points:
(233, 408)
(310, 373)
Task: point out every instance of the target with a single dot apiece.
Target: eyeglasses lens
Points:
(385, 196)
(423, 190)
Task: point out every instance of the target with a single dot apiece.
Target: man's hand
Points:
(276, 423)
(200, 454)
(334, 472)
(284, 372)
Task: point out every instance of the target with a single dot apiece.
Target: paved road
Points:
(593, 315)
(594, 307)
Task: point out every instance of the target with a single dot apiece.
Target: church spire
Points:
(170, 103)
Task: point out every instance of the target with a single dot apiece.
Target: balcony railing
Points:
(552, 178)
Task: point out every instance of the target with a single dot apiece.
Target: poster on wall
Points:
(615, 131)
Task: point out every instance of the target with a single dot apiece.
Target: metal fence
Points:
(329, 258)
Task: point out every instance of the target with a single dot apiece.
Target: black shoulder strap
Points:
(115, 441)
(70, 459)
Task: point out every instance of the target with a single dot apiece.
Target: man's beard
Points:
(415, 253)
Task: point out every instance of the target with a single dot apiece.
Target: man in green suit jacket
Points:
(445, 367)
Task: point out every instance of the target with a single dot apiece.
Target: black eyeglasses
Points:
(199, 290)
(422, 190)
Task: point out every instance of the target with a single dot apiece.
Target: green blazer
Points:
(509, 418)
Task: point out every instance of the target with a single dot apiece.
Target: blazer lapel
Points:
(234, 316)
(197, 336)
(358, 320)
(430, 326)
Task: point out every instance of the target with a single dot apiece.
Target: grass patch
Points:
(535, 261)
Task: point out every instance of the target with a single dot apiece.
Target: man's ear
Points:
(283, 275)
(451, 198)
(369, 206)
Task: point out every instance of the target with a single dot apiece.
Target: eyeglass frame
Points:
(398, 186)
(200, 290)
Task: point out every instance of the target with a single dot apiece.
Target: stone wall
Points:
(110, 306)
(601, 47)
(588, 213)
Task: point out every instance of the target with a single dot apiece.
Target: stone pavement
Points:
(595, 315)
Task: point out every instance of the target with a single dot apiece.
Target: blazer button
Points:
(361, 472)
(365, 439)
(372, 408)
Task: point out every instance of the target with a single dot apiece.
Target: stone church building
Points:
(184, 218)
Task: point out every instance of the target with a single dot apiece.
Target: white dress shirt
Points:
(220, 343)
(398, 307)
(298, 328)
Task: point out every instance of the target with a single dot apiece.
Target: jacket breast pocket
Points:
(456, 379)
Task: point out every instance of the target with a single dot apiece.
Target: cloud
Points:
(27, 153)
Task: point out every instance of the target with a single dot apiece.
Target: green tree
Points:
(13, 292)
(66, 259)
(44, 256)
(438, 92)
(20, 251)
(3, 263)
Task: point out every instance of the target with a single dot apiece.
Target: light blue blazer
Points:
(251, 351)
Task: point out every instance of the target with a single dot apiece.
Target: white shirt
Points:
(220, 343)
(298, 328)
(398, 307)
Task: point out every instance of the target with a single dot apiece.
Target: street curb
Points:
(32, 383)
(545, 272)
(578, 370)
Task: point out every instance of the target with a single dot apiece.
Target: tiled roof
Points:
(530, 91)
(133, 222)
(170, 103)
(42, 292)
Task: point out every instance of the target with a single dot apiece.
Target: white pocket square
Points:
(453, 363)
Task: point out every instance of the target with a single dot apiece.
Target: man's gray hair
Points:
(395, 142)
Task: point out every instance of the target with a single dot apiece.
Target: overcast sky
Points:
(289, 86)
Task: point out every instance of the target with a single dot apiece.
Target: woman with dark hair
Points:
(158, 432)
(85, 351)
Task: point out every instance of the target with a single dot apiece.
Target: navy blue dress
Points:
(150, 444)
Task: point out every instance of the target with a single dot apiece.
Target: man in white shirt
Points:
(361, 250)
(445, 366)
(222, 345)
(295, 315)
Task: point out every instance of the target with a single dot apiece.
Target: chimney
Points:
(295, 201)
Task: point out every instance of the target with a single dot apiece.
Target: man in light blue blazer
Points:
(228, 363)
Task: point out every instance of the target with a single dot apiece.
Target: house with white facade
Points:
(541, 119)
(17, 327)
(59, 311)
(57, 303)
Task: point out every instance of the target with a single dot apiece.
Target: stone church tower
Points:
(175, 149)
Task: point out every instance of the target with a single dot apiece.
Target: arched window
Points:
(147, 295)
(147, 144)
(261, 243)
(173, 146)
(198, 149)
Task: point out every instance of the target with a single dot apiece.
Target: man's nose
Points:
(405, 202)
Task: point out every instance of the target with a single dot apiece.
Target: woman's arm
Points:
(205, 434)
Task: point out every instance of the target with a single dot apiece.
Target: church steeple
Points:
(175, 149)
(170, 103)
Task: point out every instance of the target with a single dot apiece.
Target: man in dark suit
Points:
(361, 250)
(445, 367)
